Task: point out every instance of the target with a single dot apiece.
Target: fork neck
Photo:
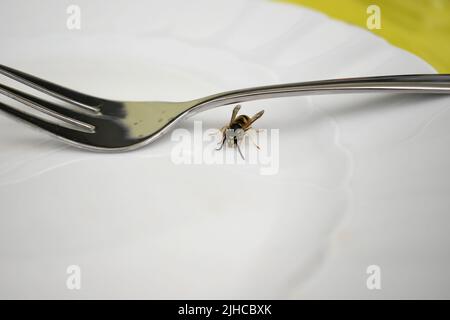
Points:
(419, 84)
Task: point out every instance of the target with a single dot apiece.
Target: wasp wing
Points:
(235, 112)
(253, 119)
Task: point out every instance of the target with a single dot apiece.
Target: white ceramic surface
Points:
(362, 180)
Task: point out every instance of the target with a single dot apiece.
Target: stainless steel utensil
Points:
(104, 125)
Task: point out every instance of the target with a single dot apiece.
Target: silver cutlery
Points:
(99, 124)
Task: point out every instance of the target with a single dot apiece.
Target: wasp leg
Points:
(257, 147)
(223, 138)
(251, 138)
(256, 130)
(240, 152)
(222, 143)
(218, 131)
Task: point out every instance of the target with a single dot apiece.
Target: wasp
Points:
(238, 126)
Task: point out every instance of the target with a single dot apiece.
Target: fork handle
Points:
(420, 83)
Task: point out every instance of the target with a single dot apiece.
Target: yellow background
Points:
(419, 26)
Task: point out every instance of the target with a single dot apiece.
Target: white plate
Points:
(362, 180)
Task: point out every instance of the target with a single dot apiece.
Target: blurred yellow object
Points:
(419, 26)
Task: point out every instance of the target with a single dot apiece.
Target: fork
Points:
(98, 124)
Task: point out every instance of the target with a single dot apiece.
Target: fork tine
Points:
(77, 98)
(60, 131)
(77, 119)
